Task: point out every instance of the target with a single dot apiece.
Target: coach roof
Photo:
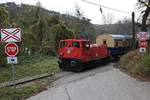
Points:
(121, 37)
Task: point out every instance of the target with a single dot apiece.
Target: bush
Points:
(129, 62)
(135, 63)
(145, 65)
(2, 56)
(46, 50)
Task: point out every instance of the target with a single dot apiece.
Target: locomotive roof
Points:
(74, 40)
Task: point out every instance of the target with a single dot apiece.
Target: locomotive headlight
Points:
(73, 63)
(68, 51)
(61, 54)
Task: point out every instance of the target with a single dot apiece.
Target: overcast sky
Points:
(90, 11)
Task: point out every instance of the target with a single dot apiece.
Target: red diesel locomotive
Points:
(74, 54)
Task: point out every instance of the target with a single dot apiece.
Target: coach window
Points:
(63, 44)
(120, 43)
(76, 44)
(124, 43)
(116, 43)
(127, 43)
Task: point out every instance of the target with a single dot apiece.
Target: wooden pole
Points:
(133, 30)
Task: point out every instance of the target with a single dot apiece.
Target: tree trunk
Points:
(146, 14)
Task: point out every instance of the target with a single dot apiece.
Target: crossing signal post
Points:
(10, 36)
(142, 38)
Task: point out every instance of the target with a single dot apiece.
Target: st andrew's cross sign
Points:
(11, 35)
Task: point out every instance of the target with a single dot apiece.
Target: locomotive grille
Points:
(67, 61)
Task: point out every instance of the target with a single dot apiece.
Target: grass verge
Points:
(30, 66)
(24, 91)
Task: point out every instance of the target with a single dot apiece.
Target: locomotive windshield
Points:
(76, 44)
(63, 44)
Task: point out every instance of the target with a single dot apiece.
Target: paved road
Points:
(103, 83)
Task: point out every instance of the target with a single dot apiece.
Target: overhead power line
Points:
(105, 7)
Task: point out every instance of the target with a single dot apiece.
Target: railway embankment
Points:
(136, 64)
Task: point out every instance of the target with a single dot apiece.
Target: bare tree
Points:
(145, 6)
(107, 18)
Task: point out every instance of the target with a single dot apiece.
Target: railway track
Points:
(34, 78)
(25, 80)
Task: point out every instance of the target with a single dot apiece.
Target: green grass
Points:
(30, 66)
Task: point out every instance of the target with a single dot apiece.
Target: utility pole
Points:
(133, 30)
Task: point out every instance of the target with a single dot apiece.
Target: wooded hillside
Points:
(42, 29)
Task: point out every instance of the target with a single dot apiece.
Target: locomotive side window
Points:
(76, 44)
(63, 44)
(85, 45)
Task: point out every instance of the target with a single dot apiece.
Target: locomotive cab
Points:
(71, 52)
(70, 49)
